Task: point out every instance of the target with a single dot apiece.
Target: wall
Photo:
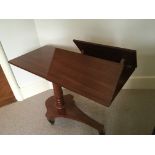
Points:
(134, 34)
(19, 37)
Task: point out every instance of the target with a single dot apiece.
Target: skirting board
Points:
(138, 82)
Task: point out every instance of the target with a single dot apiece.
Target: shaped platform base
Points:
(71, 111)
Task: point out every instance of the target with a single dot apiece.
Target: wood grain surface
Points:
(91, 77)
(6, 94)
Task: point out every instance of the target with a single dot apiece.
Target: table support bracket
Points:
(61, 105)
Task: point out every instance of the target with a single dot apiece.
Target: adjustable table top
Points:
(91, 77)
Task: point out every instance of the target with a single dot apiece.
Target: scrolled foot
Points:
(51, 121)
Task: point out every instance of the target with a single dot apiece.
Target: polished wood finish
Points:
(37, 62)
(116, 54)
(93, 74)
(80, 74)
(6, 94)
(61, 105)
(91, 77)
(58, 96)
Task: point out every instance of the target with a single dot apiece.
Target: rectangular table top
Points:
(91, 77)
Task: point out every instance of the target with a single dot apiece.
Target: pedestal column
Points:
(58, 95)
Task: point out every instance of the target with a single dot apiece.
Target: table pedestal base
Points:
(71, 111)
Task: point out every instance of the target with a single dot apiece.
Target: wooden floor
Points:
(6, 95)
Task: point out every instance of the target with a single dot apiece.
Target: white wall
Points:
(19, 37)
(134, 34)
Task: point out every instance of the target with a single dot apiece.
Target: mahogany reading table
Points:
(98, 74)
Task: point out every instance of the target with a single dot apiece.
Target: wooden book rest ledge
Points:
(98, 74)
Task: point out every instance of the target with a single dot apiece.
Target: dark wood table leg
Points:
(153, 132)
(61, 105)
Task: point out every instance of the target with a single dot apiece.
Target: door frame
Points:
(9, 74)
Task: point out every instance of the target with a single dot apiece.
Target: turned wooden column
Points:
(58, 96)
